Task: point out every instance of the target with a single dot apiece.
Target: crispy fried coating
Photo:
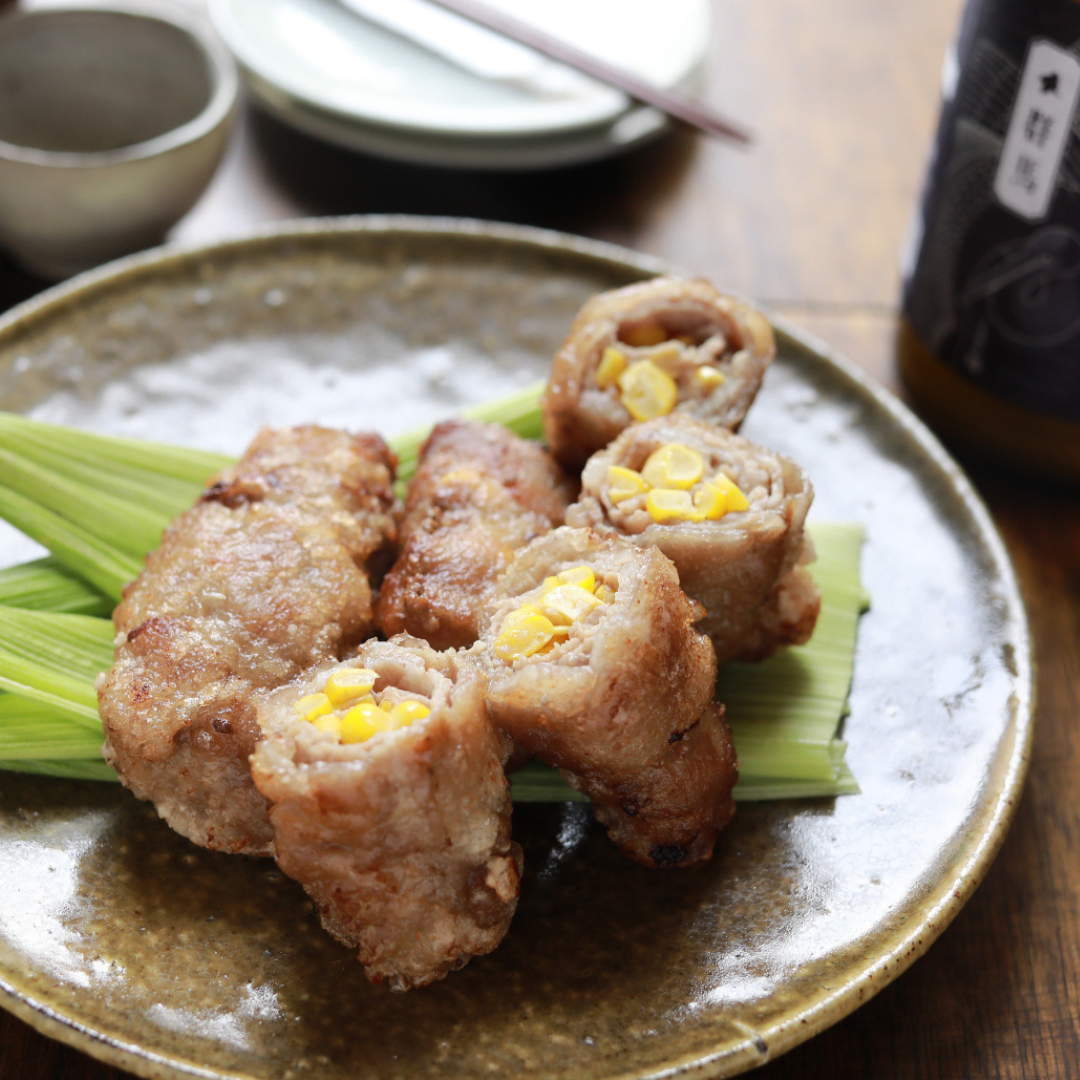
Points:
(714, 347)
(748, 567)
(402, 840)
(624, 705)
(265, 576)
(479, 494)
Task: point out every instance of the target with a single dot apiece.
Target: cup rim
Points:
(223, 95)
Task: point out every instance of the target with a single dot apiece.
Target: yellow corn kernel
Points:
(348, 684)
(709, 377)
(313, 705)
(624, 483)
(386, 704)
(330, 723)
(647, 391)
(405, 712)
(736, 500)
(549, 584)
(673, 466)
(612, 365)
(643, 334)
(524, 632)
(567, 604)
(578, 575)
(668, 504)
(604, 593)
(361, 722)
(711, 501)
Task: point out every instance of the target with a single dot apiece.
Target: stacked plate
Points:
(404, 80)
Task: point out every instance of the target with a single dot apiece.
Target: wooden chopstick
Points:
(675, 105)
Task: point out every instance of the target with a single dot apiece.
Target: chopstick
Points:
(677, 106)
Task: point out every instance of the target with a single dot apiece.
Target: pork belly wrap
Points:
(728, 513)
(390, 806)
(595, 666)
(265, 576)
(480, 492)
(660, 346)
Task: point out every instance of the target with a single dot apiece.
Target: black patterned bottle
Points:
(990, 339)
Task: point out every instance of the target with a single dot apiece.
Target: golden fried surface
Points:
(747, 568)
(624, 705)
(684, 327)
(479, 494)
(403, 841)
(266, 575)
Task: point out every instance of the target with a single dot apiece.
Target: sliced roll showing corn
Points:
(479, 493)
(595, 666)
(648, 350)
(389, 804)
(728, 513)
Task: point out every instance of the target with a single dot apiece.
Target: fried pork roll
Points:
(595, 666)
(390, 806)
(660, 346)
(729, 515)
(265, 576)
(480, 492)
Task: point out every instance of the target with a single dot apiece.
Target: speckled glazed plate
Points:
(122, 939)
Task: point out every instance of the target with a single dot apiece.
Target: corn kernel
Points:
(711, 501)
(330, 723)
(668, 504)
(348, 684)
(643, 334)
(673, 466)
(361, 722)
(624, 483)
(549, 584)
(709, 377)
(578, 575)
(612, 365)
(567, 604)
(386, 704)
(604, 593)
(313, 705)
(524, 632)
(405, 712)
(647, 391)
(736, 500)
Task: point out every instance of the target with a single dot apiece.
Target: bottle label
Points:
(995, 290)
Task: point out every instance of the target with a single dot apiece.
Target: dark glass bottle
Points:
(990, 337)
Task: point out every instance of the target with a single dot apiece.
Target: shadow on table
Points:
(608, 198)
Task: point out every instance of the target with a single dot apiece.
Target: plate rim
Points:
(928, 915)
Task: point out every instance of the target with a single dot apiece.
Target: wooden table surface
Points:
(811, 221)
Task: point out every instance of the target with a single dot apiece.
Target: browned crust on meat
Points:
(581, 418)
(624, 706)
(403, 841)
(479, 494)
(266, 575)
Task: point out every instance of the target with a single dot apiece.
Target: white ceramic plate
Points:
(329, 58)
(633, 128)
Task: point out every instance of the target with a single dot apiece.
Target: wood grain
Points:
(842, 96)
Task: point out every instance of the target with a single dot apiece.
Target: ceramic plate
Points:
(633, 128)
(122, 939)
(327, 57)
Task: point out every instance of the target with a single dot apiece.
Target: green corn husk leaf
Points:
(106, 452)
(54, 660)
(47, 585)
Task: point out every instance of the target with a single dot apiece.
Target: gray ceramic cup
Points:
(112, 122)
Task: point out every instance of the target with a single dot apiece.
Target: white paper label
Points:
(1038, 130)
